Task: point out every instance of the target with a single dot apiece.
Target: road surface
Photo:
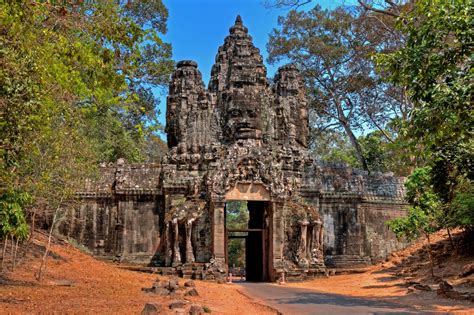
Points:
(294, 301)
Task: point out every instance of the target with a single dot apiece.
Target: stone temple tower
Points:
(241, 138)
(240, 104)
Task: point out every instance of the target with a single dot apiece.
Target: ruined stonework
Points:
(242, 138)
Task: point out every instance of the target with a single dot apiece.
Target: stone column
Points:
(278, 234)
(168, 245)
(302, 249)
(303, 239)
(189, 245)
(316, 250)
(317, 234)
(176, 253)
(218, 232)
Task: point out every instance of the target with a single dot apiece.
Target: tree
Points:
(334, 50)
(424, 214)
(75, 89)
(12, 222)
(332, 146)
(388, 156)
(435, 67)
(391, 8)
(376, 151)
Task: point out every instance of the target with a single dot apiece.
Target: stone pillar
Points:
(189, 245)
(218, 230)
(168, 245)
(176, 253)
(302, 253)
(278, 234)
(316, 234)
(316, 249)
(303, 240)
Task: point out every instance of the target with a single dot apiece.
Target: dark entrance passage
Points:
(256, 240)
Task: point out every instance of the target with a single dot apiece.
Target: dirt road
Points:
(294, 301)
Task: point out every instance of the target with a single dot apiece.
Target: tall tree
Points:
(75, 88)
(435, 66)
(334, 50)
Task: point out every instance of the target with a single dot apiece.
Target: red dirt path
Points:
(102, 288)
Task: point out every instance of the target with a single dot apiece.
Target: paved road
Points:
(296, 301)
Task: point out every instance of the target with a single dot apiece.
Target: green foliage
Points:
(384, 155)
(332, 146)
(236, 252)
(237, 217)
(375, 150)
(424, 215)
(381, 154)
(155, 149)
(435, 66)
(461, 212)
(75, 89)
(12, 218)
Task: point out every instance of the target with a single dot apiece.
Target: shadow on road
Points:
(303, 301)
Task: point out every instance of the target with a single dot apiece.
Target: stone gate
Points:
(242, 138)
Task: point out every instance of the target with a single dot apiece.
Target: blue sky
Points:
(196, 29)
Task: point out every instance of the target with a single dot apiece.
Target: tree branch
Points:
(386, 135)
(371, 8)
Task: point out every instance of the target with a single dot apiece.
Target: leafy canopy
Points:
(334, 49)
(75, 89)
(435, 66)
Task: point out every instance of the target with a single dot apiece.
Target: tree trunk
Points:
(12, 252)
(30, 237)
(4, 252)
(356, 145)
(430, 256)
(352, 138)
(451, 239)
(32, 226)
(14, 256)
(42, 269)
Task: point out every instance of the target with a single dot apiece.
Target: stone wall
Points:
(128, 220)
(241, 138)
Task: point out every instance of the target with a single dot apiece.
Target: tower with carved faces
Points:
(239, 104)
(244, 137)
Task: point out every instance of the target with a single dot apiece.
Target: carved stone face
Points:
(243, 117)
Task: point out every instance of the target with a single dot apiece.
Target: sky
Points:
(196, 29)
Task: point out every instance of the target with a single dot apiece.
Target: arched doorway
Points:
(255, 234)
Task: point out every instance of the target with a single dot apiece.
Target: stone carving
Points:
(243, 115)
(242, 131)
(305, 237)
(291, 107)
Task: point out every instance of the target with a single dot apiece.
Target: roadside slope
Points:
(78, 283)
(395, 280)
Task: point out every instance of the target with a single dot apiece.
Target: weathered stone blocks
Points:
(242, 138)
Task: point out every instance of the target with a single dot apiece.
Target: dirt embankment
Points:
(406, 277)
(78, 283)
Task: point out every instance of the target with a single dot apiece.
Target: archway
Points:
(254, 234)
